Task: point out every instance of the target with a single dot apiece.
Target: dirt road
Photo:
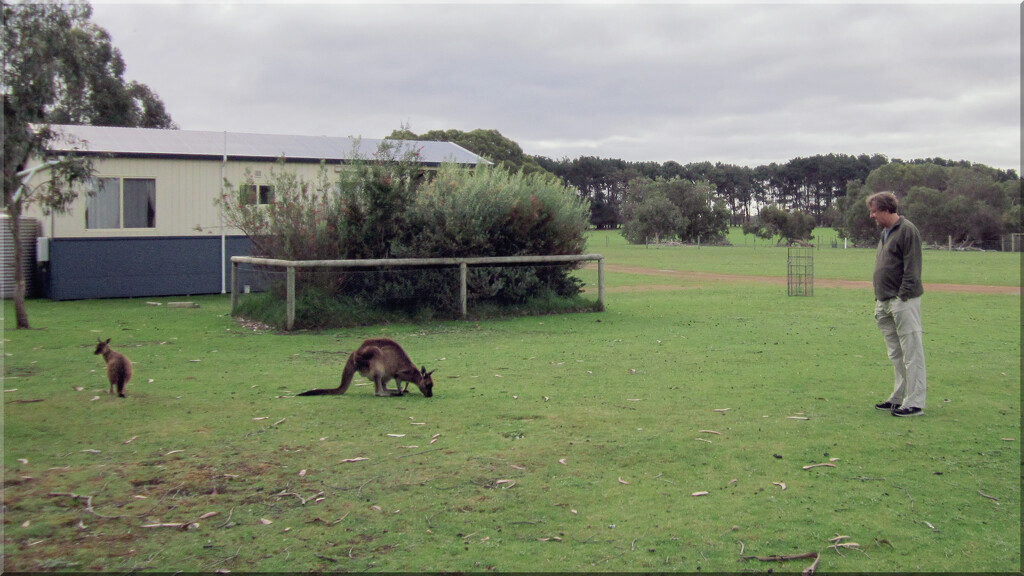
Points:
(781, 281)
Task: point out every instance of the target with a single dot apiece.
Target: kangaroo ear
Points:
(108, 340)
(431, 372)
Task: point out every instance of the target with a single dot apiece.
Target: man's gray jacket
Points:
(898, 263)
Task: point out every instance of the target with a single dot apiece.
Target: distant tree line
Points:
(969, 203)
(811, 185)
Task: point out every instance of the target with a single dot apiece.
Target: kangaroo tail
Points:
(319, 392)
(346, 381)
(356, 360)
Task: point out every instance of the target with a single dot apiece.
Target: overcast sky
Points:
(741, 84)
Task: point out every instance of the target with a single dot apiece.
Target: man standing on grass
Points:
(898, 293)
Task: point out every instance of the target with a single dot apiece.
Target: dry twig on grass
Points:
(839, 545)
(416, 453)
(828, 464)
(228, 521)
(319, 519)
(301, 499)
(989, 497)
(783, 558)
(810, 569)
(222, 561)
(178, 525)
(88, 504)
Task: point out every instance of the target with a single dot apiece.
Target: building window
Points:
(257, 194)
(122, 203)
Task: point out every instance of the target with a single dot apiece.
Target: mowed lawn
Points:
(702, 422)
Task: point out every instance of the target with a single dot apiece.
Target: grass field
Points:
(671, 432)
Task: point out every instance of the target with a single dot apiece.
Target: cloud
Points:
(745, 84)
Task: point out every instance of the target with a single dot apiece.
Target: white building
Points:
(152, 228)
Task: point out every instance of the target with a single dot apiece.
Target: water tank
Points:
(29, 232)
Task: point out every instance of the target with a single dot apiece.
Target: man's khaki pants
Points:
(900, 323)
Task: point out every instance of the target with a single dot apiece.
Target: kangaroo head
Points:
(426, 383)
(102, 346)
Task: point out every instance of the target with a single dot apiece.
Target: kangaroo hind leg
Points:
(388, 391)
(380, 384)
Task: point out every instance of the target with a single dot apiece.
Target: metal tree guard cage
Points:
(800, 271)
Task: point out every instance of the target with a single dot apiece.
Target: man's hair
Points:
(884, 202)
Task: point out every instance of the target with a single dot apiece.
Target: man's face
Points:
(882, 219)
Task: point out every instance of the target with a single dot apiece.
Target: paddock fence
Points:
(462, 264)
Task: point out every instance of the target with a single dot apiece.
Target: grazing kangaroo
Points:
(119, 368)
(381, 360)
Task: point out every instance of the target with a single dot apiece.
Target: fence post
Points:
(290, 299)
(600, 282)
(462, 287)
(234, 286)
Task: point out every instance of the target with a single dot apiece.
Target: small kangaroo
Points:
(381, 360)
(119, 368)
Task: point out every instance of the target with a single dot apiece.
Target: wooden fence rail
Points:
(462, 263)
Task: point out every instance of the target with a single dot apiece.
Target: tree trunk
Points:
(20, 312)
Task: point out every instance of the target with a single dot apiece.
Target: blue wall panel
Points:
(82, 268)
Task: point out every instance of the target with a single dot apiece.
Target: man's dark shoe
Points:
(887, 406)
(912, 411)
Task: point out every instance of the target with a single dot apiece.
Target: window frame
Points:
(149, 203)
(254, 194)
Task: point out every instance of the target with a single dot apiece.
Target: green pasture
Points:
(754, 256)
(692, 424)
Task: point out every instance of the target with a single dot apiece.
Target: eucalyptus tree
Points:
(965, 204)
(58, 67)
(676, 208)
(773, 221)
(734, 185)
(490, 144)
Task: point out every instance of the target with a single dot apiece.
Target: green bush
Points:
(673, 209)
(490, 212)
(775, 222)
(388, 207)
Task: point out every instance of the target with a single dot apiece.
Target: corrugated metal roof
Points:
(198, 144)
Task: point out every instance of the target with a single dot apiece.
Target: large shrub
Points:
(296, 220)
(490, 212)
(362, 214)
(389, 207)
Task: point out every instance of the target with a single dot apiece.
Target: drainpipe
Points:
(223, 241)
